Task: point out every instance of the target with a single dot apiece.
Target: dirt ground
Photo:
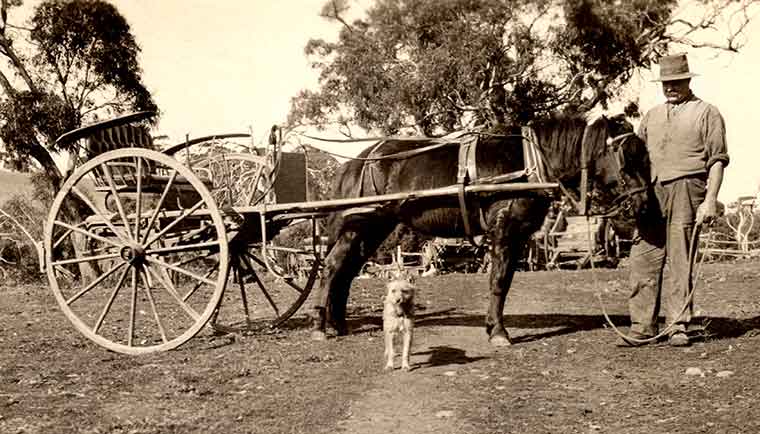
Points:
(563, 374)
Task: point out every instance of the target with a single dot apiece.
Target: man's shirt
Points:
(684, 139)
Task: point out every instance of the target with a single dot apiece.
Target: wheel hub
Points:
(133, 254)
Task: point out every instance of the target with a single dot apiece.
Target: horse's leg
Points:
(354, 245)
(508, 236)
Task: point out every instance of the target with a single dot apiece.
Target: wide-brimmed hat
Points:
(674, 67)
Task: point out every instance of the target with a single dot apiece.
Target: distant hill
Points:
(12, 183)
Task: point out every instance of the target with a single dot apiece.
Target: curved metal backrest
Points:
(118, 137)
(88, 130)
(117, 133)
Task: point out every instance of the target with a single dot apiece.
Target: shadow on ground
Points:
(561, 324)
(444, 355)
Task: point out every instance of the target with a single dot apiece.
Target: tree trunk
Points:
(74, 209)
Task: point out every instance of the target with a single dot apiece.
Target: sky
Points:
(233, 65)
(224, 66)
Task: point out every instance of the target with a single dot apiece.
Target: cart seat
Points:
(119, 133)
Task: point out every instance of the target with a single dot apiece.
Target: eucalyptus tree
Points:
(439, 65)
(74, 61)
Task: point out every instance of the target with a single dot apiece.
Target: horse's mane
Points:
(560, 140)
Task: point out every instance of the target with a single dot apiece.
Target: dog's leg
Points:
(389, 350)
(407, 346)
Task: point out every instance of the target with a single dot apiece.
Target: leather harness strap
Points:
(368, 166)
(467, 170)
(535, 167)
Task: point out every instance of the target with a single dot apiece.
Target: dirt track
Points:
(564, 373)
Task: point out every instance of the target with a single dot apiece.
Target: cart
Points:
(581, 242)
(447, 255)
(140, 245)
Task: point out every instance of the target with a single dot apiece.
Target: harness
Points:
(535, 170)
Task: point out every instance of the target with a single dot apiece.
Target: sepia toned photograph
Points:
(379, 216)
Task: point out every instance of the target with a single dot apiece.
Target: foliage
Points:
(78, 39)
(79, 63)
(18, 253)
(441, 65)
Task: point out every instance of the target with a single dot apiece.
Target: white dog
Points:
(398, 318)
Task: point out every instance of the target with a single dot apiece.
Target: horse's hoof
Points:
(499, 341)
(341, 328)
(489, 329)
(318, 335)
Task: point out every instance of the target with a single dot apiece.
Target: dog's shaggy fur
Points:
(398, 319)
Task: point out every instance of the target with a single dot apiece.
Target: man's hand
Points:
(707, 211)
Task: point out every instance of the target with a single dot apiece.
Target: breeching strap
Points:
(467, 170)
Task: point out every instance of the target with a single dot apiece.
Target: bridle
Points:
(623, 201)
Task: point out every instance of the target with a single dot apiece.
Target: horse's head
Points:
(621, 171)
(602, 166)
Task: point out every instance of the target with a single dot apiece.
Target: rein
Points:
(621, 202)
(693, 247)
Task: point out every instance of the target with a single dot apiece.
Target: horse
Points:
(616, 177)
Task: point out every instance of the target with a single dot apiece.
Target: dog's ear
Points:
(410, 278)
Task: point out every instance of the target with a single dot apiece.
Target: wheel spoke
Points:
(160, 203)
(196, 258)
(103, 218)
(149, 293)
(151, 252)
(290, 283)
(132, 309)
(95, 282)
(179, 270)
(255, 259)
(195, 232)
(277, 269)
(64, 271)
(117, 199)
(171, 225)
(183, 248)
(108, 305)
(85, 259)
(138, 199)
(261, 286)
(198, 285)
(66, 233)
(86, 233)
(169, 287)
(243, 295)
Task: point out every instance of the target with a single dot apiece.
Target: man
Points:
(686, 140)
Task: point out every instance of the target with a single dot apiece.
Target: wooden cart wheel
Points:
(238, 179)
(270, 285)
(154, 270)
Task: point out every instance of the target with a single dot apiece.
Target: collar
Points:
(690, 97)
